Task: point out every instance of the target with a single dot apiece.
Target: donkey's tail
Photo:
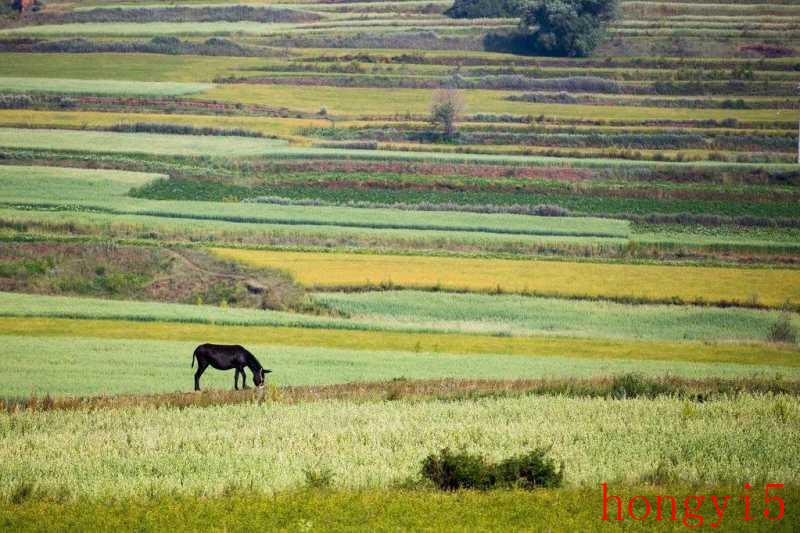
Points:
(194, 354)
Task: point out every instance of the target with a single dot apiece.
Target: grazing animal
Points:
(225, 357)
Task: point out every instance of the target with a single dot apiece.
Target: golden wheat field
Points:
(770, 287)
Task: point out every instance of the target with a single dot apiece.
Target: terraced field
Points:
(436, 235)
(773, 287)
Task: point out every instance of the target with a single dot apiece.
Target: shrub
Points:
(318, 479)
(529, 471)
(453, 471)
(182, 129)
(637, 385)
(783, 330)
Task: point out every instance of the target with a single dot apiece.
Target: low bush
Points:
(768, 50)
(783, 330)
(318, 479)
(455, 471)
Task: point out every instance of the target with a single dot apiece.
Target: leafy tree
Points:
(474, 9)
(567, 27)
(446, 106)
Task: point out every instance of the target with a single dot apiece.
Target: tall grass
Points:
(270, 446)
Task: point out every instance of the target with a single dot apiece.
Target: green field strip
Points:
(425, 312)
(596, 349)
(146, 143)
(100, 87)
(359, 101)
(165, 144)
(123, 66)
(86, 366)
(56, 186)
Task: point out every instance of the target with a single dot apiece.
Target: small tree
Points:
(567, 27)
(446, 106)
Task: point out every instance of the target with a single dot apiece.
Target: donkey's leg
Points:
(236, 378)
(201, 367)
(244, 379)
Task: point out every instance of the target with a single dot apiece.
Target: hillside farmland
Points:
(436, 236)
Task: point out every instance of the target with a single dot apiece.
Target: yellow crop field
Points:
(772, 287)
(134, 67)
(446, 343)
(282, 127)
(378, 101)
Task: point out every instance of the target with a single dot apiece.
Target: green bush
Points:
(319, 479)
(529, 471)
(454, 471)
(637, 386)
(783, 330)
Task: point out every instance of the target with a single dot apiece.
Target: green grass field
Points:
(520, 315)
(597, 349)
(91, 363)
(565, 509)
(124, 67)
(147, 143)
(103, 87)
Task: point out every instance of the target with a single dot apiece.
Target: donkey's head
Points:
(260, 377)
